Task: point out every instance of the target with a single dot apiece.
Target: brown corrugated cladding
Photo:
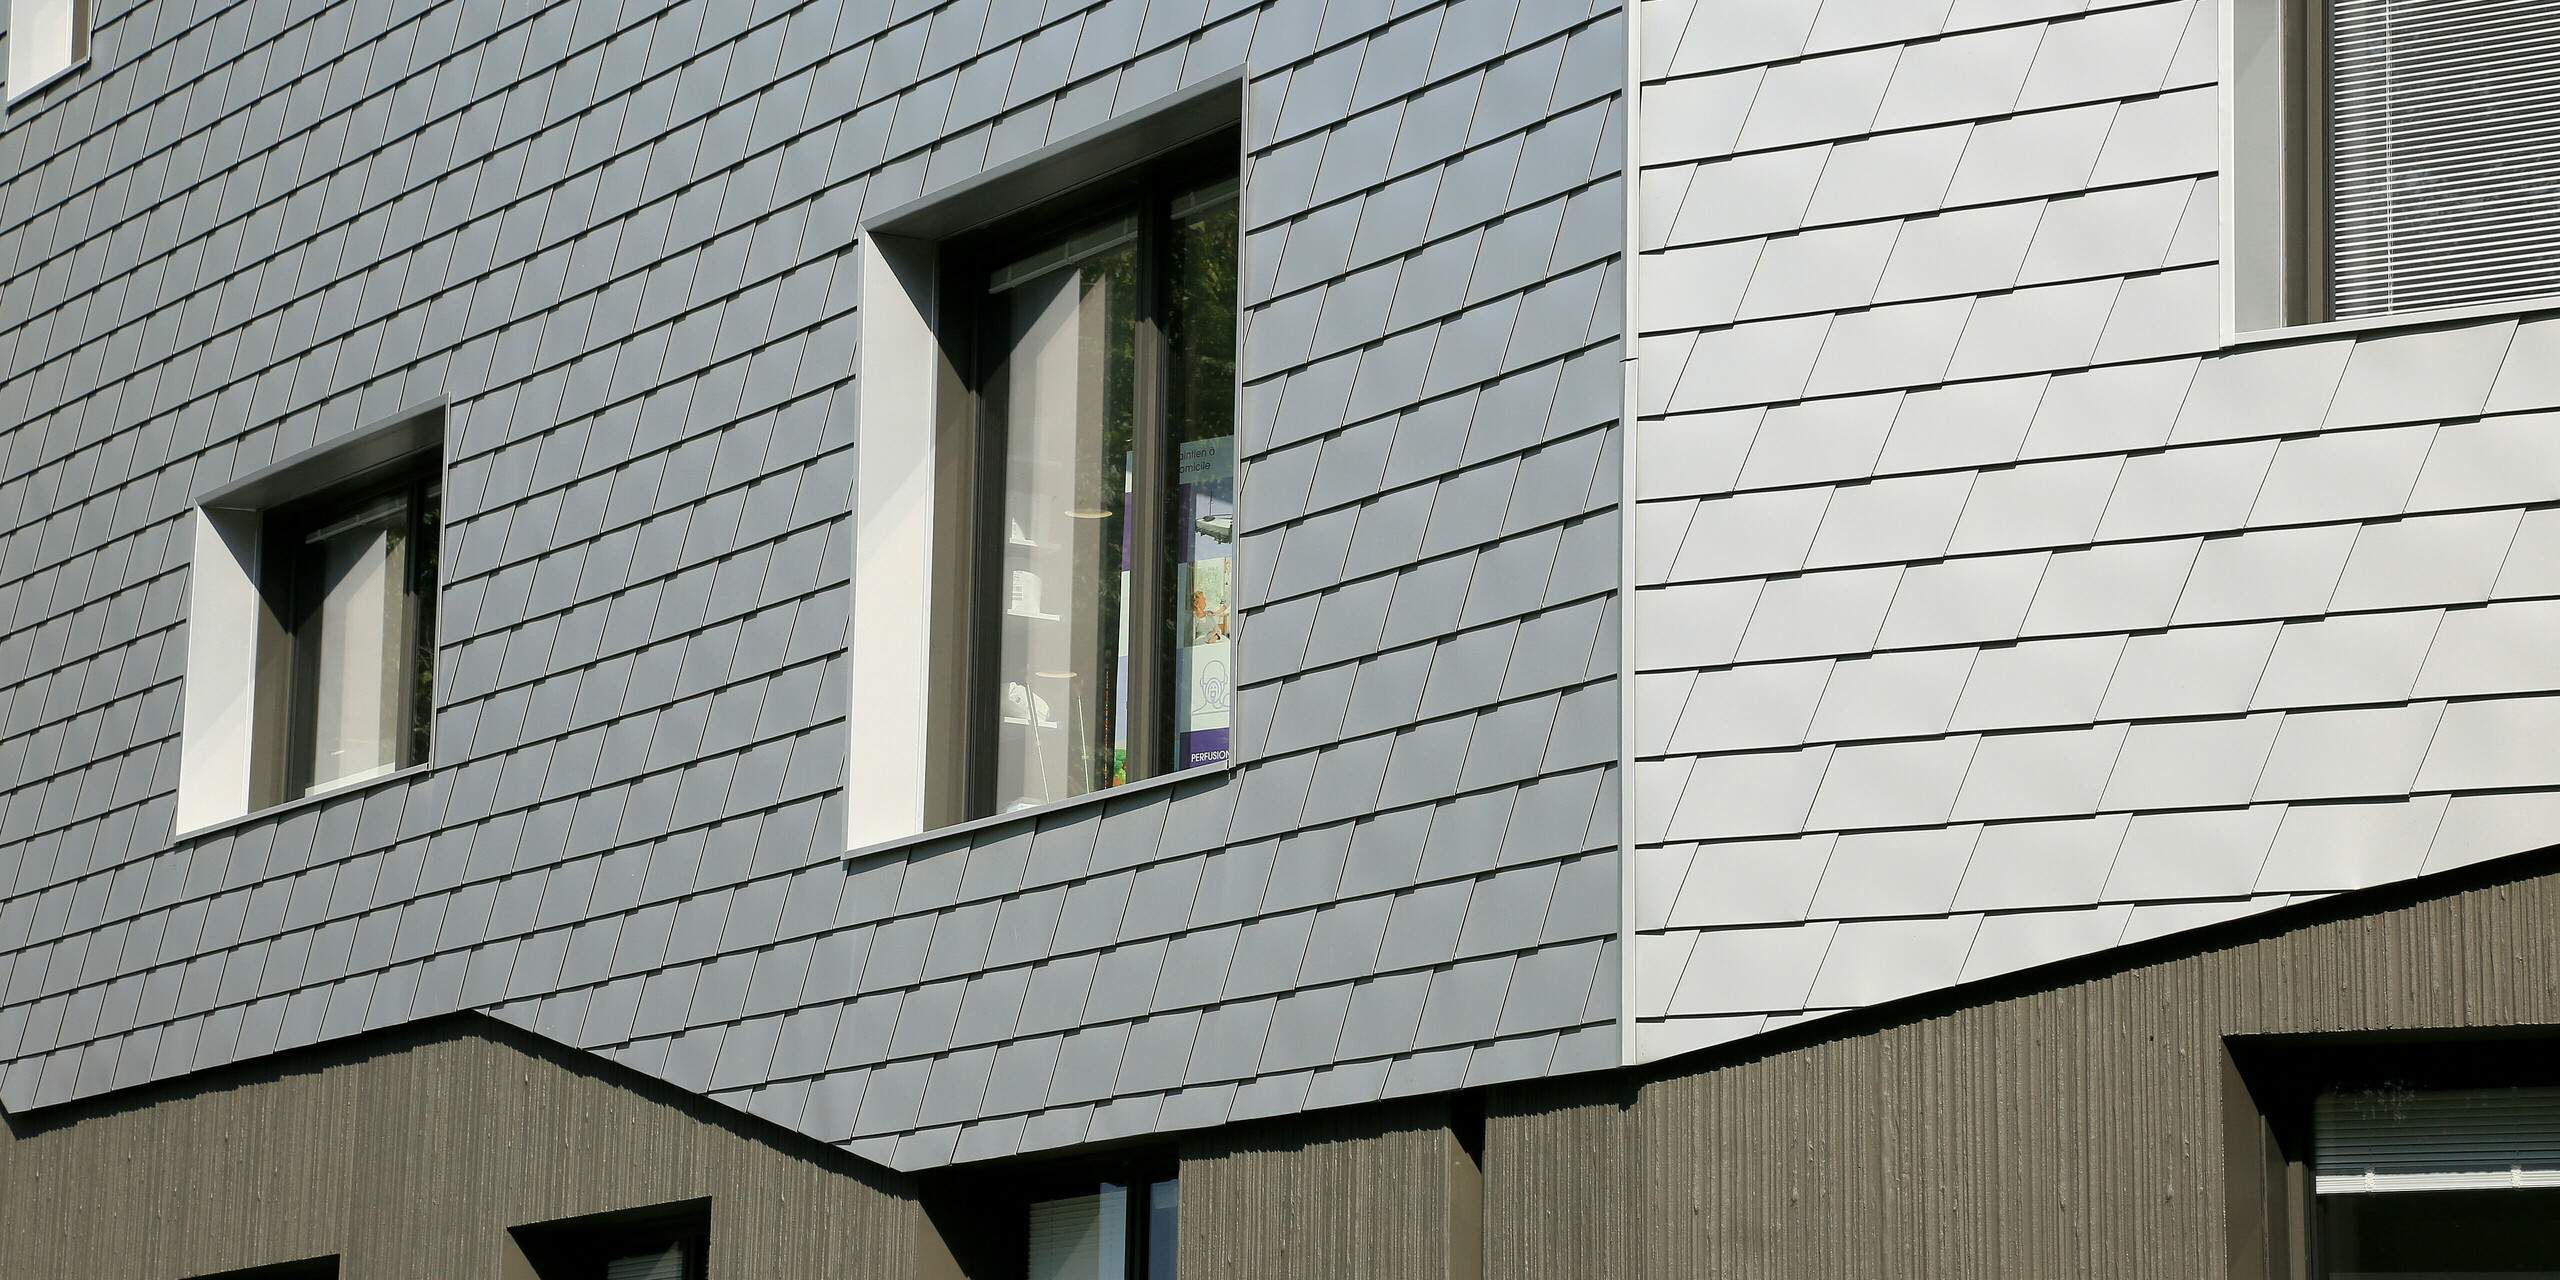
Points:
(1365, 1192)
(2069, 1125)
(409, 1155)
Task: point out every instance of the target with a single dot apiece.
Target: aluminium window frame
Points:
(969, 482)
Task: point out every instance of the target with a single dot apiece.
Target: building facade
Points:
(1485, 638)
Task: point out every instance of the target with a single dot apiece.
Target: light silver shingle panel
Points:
(2215, 625)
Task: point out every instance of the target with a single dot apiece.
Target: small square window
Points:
(311, 624)
(46, 38)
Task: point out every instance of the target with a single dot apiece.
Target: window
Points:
(311, 610)
(1114, 1217)
(665, 1242)
(46, 38)
(1047, 349)
(1113, 1232)
(350, 579)
(1092, 475)
(2439, 1160)
(2394, 156)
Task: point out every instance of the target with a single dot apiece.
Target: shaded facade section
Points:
(2070, 1122)
(410, 1154)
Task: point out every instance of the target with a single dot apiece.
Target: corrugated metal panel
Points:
(2444, 152)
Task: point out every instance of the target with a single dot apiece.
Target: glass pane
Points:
(1200, 410)
(1080, 1237)
(1064, 395)
(1163, 1220)
(2441, 1235)
(357, 654)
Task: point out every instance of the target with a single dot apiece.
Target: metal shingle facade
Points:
(617, 238)
(1993, 605)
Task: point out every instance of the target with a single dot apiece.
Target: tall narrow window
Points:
(350, 666)
(46, 37)
(1097, 638)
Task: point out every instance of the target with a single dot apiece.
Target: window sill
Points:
(28, 95)
(1039, 811)
(2518, 308)
(307, 802)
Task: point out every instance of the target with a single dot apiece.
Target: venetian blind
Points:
(2444, 153)
(663, 1264)
(2443, 1140)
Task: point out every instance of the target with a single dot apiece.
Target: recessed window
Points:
(2394, 156)
(1114, 1217)
(311, 623)
(2437, 1160)
(46, 38)
(666, 1242)
(1084, 637)
(1044, 521)
(1116, 1231)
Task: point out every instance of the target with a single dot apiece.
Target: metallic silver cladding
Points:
(618, 242)
(1994, 606)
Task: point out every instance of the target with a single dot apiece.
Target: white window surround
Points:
(899, 366)
(48, 39)
(225, 612)
(2263, 92)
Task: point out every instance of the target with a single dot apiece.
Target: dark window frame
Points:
(281, 762)
(2269, 1083)
(969, 475)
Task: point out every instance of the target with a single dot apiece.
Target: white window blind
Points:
(2444, 153)
(663, 1264)
(2448, 1140)
(1082, 1237)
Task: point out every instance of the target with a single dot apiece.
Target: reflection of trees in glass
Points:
(1201, 328)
